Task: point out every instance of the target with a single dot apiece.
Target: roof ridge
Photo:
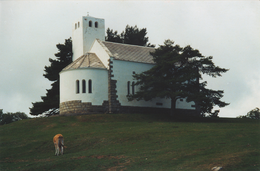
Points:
(72, 64)
(83, 58)
(85, 62)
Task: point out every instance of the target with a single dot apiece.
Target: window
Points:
(78, 24)
(83, 86)
(96, 24)
(89, 86)
(133, 88)
(77, 86)
(90, 23)
(75, 26)
(159, 104)
(128, 88)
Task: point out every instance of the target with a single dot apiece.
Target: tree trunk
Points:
(197, 108)
(173, 107)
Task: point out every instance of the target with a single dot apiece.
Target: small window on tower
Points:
(96, 24)
(75, 26)
(78, 24)
(90, 23)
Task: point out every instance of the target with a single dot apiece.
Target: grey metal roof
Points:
(128, 52)
(89, 60)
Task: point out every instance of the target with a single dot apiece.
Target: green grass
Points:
(131, 142)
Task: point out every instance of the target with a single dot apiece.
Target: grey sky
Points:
(228, 31)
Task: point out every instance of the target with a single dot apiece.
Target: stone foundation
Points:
(154, 110)
(77, 107)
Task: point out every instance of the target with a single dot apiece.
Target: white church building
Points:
(101, 75)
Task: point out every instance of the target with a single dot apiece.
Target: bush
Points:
(6, 118)
(253, 114)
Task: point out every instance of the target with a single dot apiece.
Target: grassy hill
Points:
(130, 142)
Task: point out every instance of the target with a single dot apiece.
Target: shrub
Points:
(253, 114)
(6, 118)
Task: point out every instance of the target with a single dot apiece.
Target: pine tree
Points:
(177, 74)
(131, 35)
(50, 103)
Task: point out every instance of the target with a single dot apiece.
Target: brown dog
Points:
(58, 141)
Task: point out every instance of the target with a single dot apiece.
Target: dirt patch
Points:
(14, 160)
(49, 126)
(42, 160)
(107, 157)
(74, 124)
(121, 165)
(117, 168)
(80, 157)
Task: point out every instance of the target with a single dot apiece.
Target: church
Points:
(101, 75)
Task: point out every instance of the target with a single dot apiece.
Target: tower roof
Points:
(89, 60)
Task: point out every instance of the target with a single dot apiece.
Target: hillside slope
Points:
(130, 142)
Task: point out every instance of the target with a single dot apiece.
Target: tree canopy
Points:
(131, 35)
(50, 103)
(252, 114)
(6, 118)
(176, 74)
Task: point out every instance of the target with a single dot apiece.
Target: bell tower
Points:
(84, 32)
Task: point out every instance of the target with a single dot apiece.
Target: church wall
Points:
(182, 104)
(100, 52)
(123, 72)
(77, 41)
(99, 79)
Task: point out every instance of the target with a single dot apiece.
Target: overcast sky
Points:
(228, 31)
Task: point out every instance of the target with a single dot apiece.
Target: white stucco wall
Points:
(99, 79)
(100, 52)
(84, 36)
(123, 72)
(184, 105)
(77, 41)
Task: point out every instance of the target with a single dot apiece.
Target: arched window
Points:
(96, 24)
(128, 87)
(75, 26)
(77, 86)
(78, 24)
(83, 86)
(133, 88)
(90, 23)
(89, 86)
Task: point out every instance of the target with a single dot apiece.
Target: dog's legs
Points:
(57, 151)
(61, 144)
